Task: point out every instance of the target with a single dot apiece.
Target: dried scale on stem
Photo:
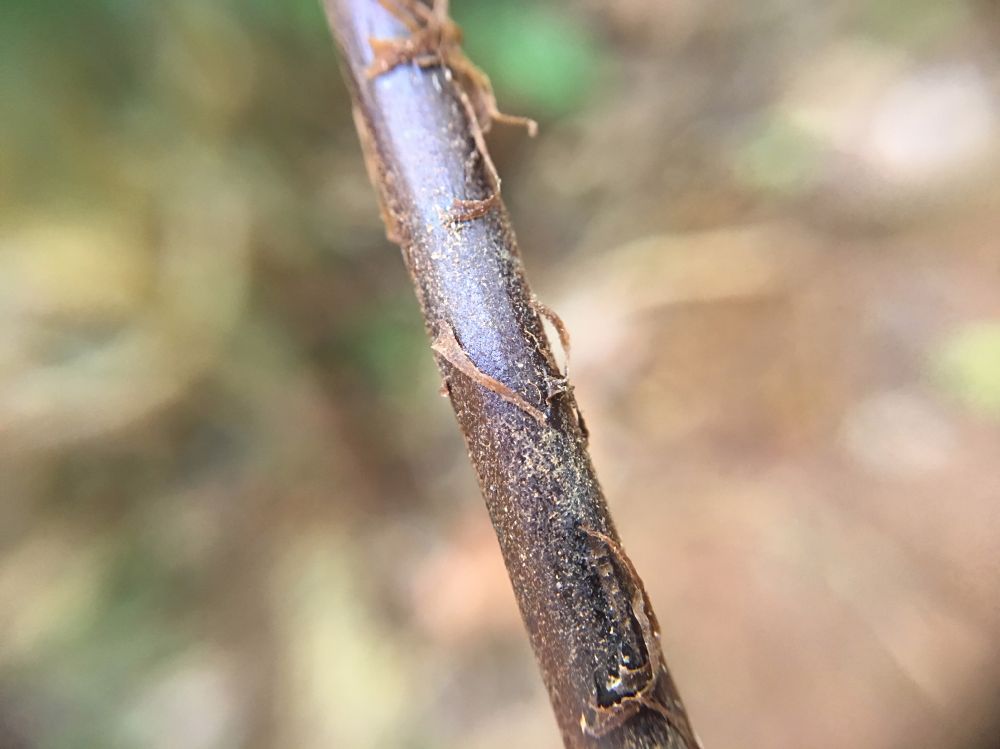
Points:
(421, 108)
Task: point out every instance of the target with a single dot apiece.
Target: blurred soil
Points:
(235, 512)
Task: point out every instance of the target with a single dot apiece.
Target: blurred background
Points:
(234, 511)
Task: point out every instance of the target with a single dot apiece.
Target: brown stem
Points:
(588, 617)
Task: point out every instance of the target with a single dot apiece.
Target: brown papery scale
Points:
(421, 109)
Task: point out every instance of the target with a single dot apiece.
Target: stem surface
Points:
(589, 620)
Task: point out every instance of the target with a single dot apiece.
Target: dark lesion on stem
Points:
(633, 679)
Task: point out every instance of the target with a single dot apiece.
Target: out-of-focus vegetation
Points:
(233, 512)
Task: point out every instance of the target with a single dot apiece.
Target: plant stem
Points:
(589, 620)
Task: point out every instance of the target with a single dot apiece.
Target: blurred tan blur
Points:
(233, 510)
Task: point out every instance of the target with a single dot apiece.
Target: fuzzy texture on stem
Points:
(589, 619)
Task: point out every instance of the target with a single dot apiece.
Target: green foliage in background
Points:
(112, 619)
(778, 156)
(534, 53)
(912, 23)
(968, 367)
(386, 343)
